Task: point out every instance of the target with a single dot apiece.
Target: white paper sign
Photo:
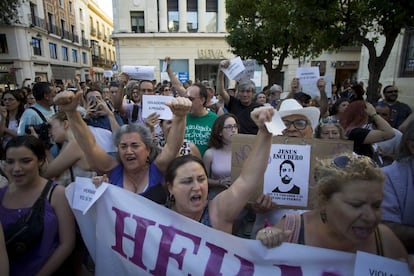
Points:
(108, 74)
(276, 126)
(248, 72)
(286, 178)
(164, 76)
(153, 103)
(308, 76)
(370, 264)
(235, 68)
(86, 193)
(139, 72)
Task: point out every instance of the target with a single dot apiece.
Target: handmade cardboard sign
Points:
(242, 145)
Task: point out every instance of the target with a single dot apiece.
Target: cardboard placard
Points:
(242, 145)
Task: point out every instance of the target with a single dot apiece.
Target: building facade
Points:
(192, 33)
(51, 41)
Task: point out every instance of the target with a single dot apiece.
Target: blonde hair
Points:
(331, 176)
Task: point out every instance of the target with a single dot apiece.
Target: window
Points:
(192, 16)
(407, 56)
(53, 50)
(84, 58)
(74, 55)
(37, 50)
(51, 23)
(70, 7)
(65, 55)
(3, 44)
(211, 16)
(65, 33)
(80, 14)
(173, 16)
(137, 22)
(61, 3)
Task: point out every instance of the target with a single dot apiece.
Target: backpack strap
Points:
(39, 113)
(46, 189)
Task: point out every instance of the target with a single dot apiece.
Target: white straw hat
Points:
(292, 107)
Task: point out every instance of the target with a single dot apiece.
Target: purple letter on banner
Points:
(168, 235)
(138, 239)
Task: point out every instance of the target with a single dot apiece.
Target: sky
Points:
(106, 6)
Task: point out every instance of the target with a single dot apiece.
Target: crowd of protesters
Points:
(51, 133)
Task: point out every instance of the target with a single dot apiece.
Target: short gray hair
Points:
(143, 132)
(246, 85)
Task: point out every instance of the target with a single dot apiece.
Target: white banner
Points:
(139, 72)
(127, 234)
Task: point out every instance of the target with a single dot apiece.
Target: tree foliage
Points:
(8, 11)
(365, 21)
(271, 30)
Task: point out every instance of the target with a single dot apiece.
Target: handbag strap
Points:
(39, 113)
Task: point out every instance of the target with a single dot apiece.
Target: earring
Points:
(171, 198)
(323, 216)
(148, 160)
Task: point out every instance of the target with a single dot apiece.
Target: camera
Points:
(42, 131)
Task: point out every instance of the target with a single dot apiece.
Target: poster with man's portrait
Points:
(286, 178)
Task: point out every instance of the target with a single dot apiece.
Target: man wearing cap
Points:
(241, 106)
(300, 122)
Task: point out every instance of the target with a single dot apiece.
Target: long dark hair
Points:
(34, 144)
(216, 140)
(18, 95)
(171, 172)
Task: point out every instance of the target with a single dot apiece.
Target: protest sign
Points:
(242, 145)
(248, 72)
(308, 76)
(370, 264)
(127, 234)
(153, 103)
(286, 178)
(235, 68)
(139, 72)
(108, 73)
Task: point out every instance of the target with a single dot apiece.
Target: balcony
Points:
(36, 21)
(105, 38)
(65, 35)
(85, 42)
(93, 31)
(100, 35)
(52, 29)
(75, 38)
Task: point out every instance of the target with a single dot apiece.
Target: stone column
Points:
(221, 16)
(182, 14)
(163, 16)
(201, 10)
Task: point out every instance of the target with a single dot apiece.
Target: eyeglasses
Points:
(329, 121)
(167, 89)
(299, 124)
(391, 92)
(343, 161)
(231, 127)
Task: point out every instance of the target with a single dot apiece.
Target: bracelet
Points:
(372, 116)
